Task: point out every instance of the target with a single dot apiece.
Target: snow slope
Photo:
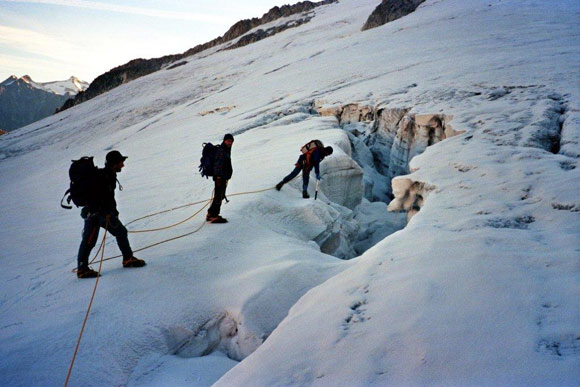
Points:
(481, 287)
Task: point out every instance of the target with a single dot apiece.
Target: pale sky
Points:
(53, 39)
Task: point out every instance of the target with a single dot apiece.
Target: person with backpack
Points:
(222, 172)
(101, 211)
(312, 154)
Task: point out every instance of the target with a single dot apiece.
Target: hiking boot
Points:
(305, 194)
(217, 219)
(279, 186)
(87, 272)
(133, 262)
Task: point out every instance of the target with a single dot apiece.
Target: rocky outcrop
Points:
(390, 10)
(262, 34)
(140, 67)
(275, 13)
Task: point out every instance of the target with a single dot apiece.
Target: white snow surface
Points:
(482, 286)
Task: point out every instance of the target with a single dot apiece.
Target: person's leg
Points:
(219, 194)
(90, 236)
(305, 180)
(118, 230)
(298, 167)
(292, 175)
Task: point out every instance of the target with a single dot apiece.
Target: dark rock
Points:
(262, 34)
(177, 65)
(390, 10)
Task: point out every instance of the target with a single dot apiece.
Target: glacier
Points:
(462, 118)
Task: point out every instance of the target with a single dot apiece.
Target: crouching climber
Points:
(312, 154)
(101, 211)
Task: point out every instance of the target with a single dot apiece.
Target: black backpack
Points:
(83, 182)
(207, 159)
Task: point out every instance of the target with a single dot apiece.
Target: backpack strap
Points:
(308, 156)
(69, 207)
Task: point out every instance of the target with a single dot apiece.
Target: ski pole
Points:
(316, 192)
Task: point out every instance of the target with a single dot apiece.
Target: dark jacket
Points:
(222, 166)
(103, 201)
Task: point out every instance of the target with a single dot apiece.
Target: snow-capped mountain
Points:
(68, 87)
(71, 86)
(23, 101)
(462, 118)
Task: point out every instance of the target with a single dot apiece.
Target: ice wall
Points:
(384, 140)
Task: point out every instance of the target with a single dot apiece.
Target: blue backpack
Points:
(207, 159)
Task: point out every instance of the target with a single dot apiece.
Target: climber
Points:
(222, 172)
(101, 211)
(312, 154)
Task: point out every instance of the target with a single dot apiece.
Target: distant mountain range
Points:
(23, 101)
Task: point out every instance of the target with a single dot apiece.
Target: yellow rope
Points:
(166, 227)
(167, 240)
(183, 206)
(102, 249)
(165, 211)
(207, 202)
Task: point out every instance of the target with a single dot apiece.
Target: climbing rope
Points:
(207, 202)
(171, 225)
(184, 206)
(102, 250)
(165, 211)
(170, 239)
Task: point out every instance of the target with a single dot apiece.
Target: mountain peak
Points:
(9, 80)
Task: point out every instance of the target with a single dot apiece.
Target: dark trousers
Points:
(219, 195)
(91, 234)
(300, 166)
(305, 177)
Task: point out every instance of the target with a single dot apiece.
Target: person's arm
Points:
(229, 165)
(109, 202)
(218, 163)
(316, 161)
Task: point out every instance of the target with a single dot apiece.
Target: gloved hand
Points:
(318, 177)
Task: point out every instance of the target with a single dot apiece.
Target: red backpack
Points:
(308, 148)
